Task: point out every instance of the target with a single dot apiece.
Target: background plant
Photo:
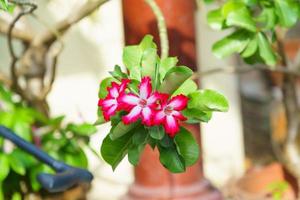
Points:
(65, 142)
(258, 32)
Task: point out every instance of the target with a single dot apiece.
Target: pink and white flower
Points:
(170, 114)
(110, 103)
(140, 106)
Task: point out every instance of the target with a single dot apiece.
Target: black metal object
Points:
(65, 177)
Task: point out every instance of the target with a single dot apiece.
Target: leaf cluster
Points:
(175, 153)
(254, 24)
(65, 142)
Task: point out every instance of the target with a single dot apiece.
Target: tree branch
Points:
(49, 36)
(17, 32)
(162, 28)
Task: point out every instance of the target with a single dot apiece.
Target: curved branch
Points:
(162, 28)
(16, 33)
(49, 36)
(13, 69)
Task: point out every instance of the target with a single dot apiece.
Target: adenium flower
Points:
(141, 105)
(169, 114)
(110, 103)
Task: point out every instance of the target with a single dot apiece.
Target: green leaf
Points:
(287, 12)
(208, 100)
(147, 43)
(156, 132)
(22, 129)
(215, 19)
(80, 160)
(4, 166)
(16, 196)
(194, 115)
(132, 56)
(84, 129)
(105, 83)
(265, 50)
(113, 151)
(165, 65)
(149, 62)
(134, 153)
(100, 119)
(139, 140)
(187, 146)
(118, 74)
(251, 48)
(231, 6)
(170, 159)
(27, 160)
(234, 43)
(175, 77)
(186, 88)
(121, 129)
(241, 18)
(16, 164)
(268, 18)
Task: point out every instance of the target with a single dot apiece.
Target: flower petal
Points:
(178, 102)
(113, 91)
(145, 87)
(153, 98)
(159, 117)
(109, 112)
(106, 103)
(123, 85)
(178, 115)
(133, 115)
(171, 126)
(147, 116)
(127, 101)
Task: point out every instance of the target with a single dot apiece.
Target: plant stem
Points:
(162, 28)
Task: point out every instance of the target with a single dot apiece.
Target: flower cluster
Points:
(152, 107)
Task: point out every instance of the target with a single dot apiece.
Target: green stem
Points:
(162, 28)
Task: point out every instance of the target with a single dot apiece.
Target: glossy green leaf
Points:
(234, 43)
(231, 6)
(16, 164)
(171, 159)
(139, 141)
(287, 12)
(268, 18)
(118, 74)
(195, 115)
(105, 83)
(100, 119)
(251, 48)
(132, 56)
(23, 130)
(175, 77)
(147, 43)
(4, 166)
(215, 19)
(187, 146)
(149, 62)
(208, 100)
(165, 65)
(84, 129)
(265, 50)
(156, 132)
(121, 129)
(186, 88)
(241, 18)
(113, 151)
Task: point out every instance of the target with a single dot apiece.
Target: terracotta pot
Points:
(255, 184)
(153, 181)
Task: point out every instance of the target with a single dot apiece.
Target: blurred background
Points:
(232, 142)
